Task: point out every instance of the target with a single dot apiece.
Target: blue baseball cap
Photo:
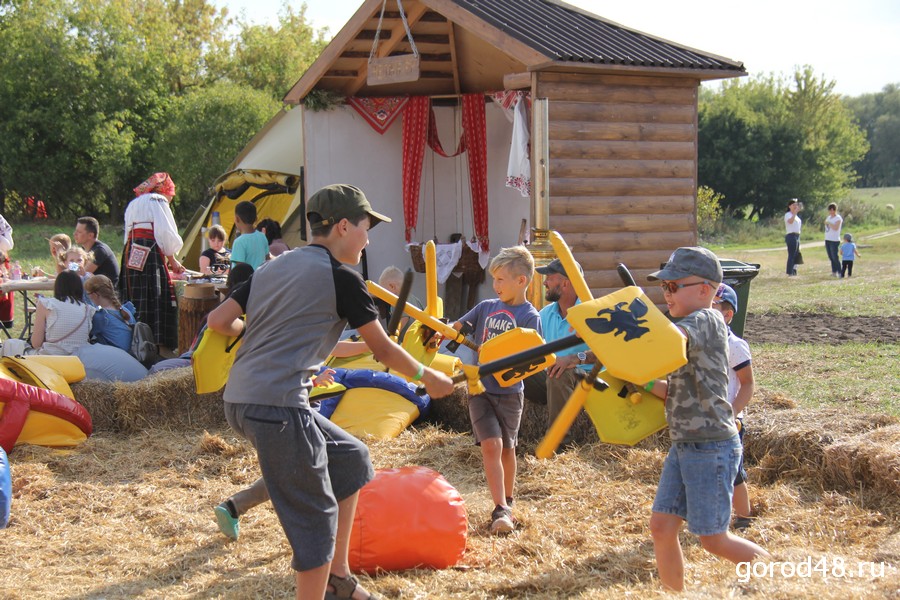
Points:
(726, 293)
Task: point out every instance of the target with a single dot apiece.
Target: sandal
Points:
(344, 587)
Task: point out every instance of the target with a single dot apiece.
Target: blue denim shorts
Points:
(697, 484)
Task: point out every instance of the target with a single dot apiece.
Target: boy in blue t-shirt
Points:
(697, 481)
(496, 413)
(251, 247)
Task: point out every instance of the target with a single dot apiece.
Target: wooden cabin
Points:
(620, 130)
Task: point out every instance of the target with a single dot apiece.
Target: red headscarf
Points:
(159, 183)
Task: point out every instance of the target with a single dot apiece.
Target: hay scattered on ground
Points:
(129, 515)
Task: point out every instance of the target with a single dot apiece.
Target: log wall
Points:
(623, 170)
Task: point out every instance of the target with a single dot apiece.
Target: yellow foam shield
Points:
(617, 419)
(629, 335)
(212, 361)
(512, 342)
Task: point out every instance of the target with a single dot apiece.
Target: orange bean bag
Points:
(408, 518)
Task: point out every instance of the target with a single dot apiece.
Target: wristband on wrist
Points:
(649, 387)
(420, 373)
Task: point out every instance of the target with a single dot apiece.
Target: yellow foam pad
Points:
(376, 412)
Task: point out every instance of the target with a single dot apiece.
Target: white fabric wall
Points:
(340, 147)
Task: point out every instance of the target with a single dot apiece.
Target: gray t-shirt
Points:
(296, 307)
(490, 318)
(697, 407)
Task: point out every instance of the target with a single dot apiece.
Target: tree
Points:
(879, 115)
(763, 142)
(205, 129)
(272, 59)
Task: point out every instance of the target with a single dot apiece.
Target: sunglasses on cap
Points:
(672, 287)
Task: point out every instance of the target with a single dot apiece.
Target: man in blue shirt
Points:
(562, 377)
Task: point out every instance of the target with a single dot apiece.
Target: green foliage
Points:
(709, 210)
(879, 115)
(765, 141)
(272, 59)
(203, 132)
(87, 87)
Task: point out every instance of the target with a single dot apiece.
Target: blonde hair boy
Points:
(497, 413)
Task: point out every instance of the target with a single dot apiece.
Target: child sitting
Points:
(697, 480)
(496, 414)
(59, 244)
(113, 323)
(215, 259)
(740, 391)
(75, 258)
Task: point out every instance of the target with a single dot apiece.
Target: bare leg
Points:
(669, 559)
(740, 504)
(311, 584)
(340, 564)
(508, 459)
(491, 450)
(732, 548)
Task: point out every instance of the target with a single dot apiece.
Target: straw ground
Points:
(128, 514)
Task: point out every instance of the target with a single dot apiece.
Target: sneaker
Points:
(228, 524)
(741, 523)
(501, 520)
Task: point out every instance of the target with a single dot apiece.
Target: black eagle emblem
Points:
(621, 321)
(521, 370)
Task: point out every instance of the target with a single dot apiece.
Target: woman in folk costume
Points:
(148, 259)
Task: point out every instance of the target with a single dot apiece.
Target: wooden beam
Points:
(517, 81)
(637, 186)
(580, 67)
(585, 92)
(398, 34)
(593, 168)
(622, 112)
(454, 64)
(623, 150)
(608, 242)
(332, 52)
(648, 223)
(635, 132)
(621, 205)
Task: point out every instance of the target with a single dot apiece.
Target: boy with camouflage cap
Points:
(697, 481)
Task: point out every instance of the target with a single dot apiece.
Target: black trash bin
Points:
(738, 275)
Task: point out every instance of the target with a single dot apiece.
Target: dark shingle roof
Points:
(566, 33)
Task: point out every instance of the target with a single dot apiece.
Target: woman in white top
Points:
(62, 324)
(151, 241)
(833, 224)
(792, 225)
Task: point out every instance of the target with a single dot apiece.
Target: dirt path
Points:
(807, 328)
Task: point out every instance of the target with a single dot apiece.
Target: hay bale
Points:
(167, 400)
(791, 443)
(870, 460)
(99, 398)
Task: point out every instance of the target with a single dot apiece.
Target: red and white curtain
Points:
(418, 127)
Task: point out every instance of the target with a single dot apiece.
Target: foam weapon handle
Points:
(634, 394)
(625, 275)
(431, 295)
(393, 328)
(567, 415)
(420, 315)
(575, 276)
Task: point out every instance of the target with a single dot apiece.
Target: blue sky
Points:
(854, 43)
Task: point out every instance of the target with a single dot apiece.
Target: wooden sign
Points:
(393, 69)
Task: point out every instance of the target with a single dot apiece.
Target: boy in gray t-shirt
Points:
(697, 481)
(296, 308)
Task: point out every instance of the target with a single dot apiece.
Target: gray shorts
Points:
(496, 416)
(308, 464)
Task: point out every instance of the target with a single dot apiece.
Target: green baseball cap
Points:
(341, 201)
